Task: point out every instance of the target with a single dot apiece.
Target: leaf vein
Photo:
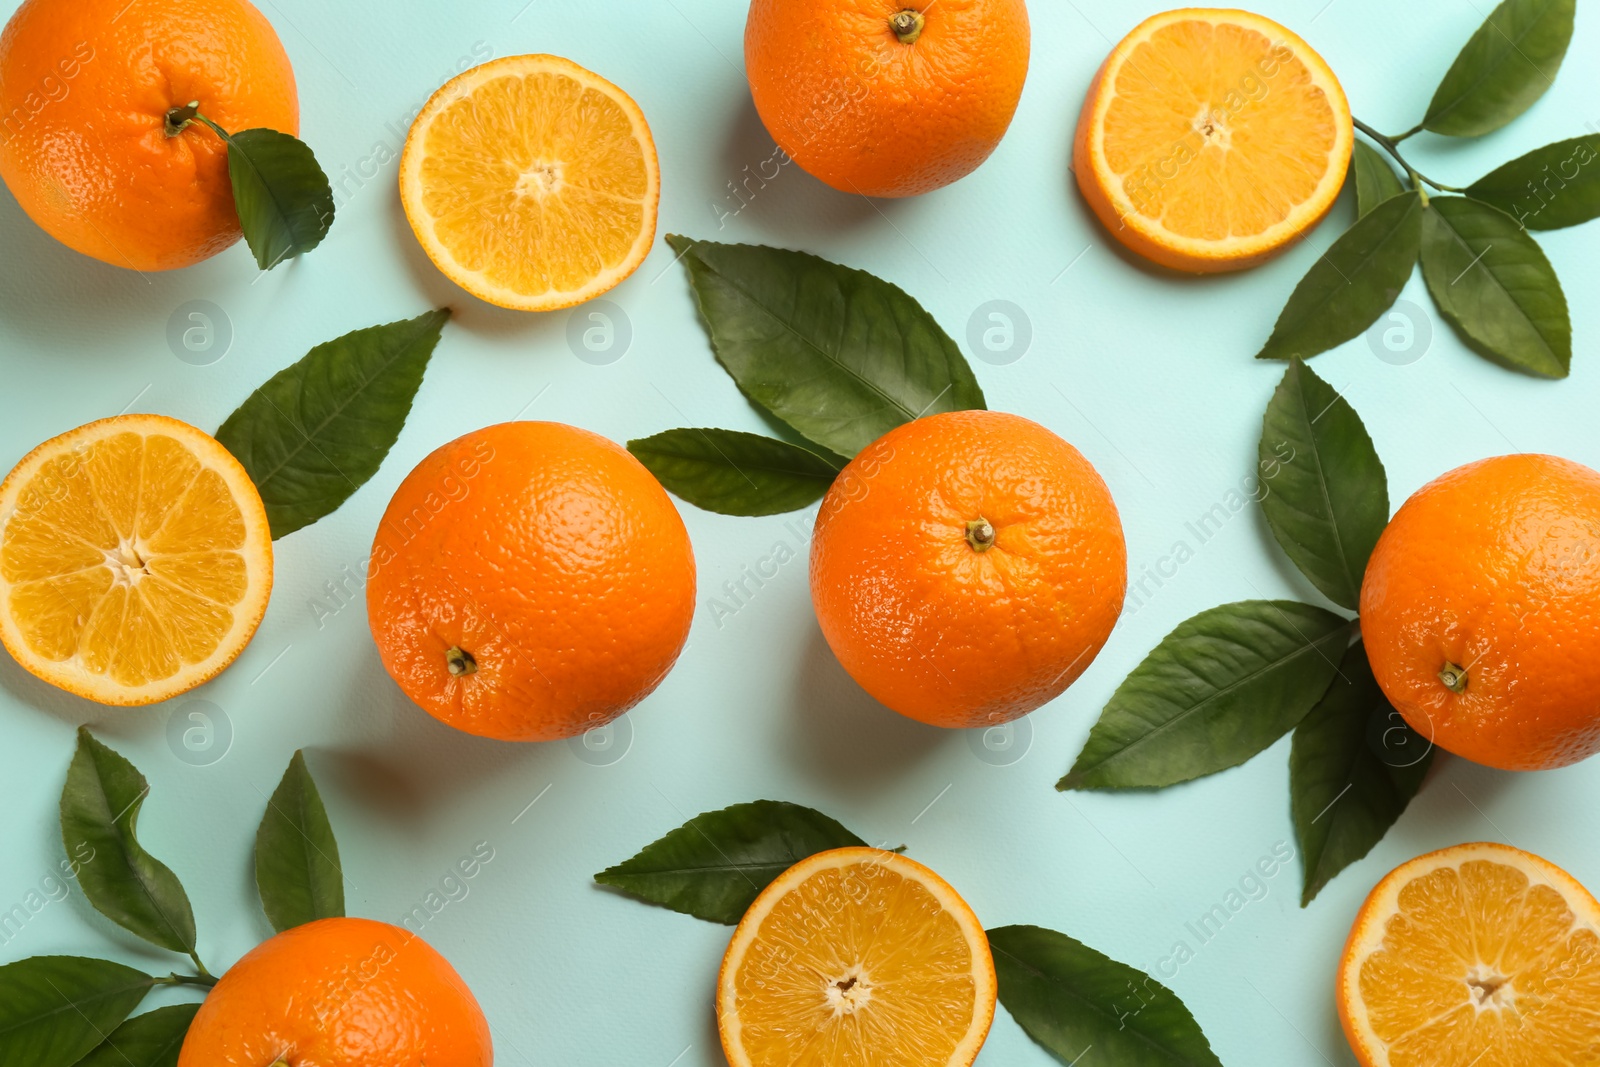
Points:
(831, 357)
(402, 351)
(1183, 714)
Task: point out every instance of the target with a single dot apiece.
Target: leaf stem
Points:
(201, 967)
(1412, 132)
(1392, 146)
(218, 130)
(204, 980)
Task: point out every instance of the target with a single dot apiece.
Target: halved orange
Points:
(135, 559)
(532, 182)
(1211, 139)
(1480, 955)
(856, 956)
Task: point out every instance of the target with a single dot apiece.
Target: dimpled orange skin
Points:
(340, 993)
(853, 105)
(553, 558)
(85, 87)
(932, 627)
(1494, 568)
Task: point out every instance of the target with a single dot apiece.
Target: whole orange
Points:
(1479, 611)
(340, 993)
(967, 567)
(86, 87)
(530, 581)
(887, 97)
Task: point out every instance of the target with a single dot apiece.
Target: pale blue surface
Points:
(1149, 375)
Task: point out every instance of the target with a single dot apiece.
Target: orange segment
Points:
(856, 956)
(532, 182)
(1211, 139)
(135, 559)
(1479, 954)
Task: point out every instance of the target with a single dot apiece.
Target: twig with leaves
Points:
(282, 196)
(1483, 268)
(72, 1011)
(1230, 682)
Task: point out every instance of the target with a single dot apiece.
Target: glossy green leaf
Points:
(153, 1039)
(1375, 179)
(297, 859)
(839, 355)
(1354, 765)
(1504, 68)
(735, 473)
(1492, 281)
(1357, 279)
(318, 429)
(1084, 1006)
(55, 1009)
(1327, 498)
(1549, 188)
(714, 866)
(283, 198)
(1217, 690)
(99, 820)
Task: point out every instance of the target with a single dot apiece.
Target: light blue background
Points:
(1149, 374)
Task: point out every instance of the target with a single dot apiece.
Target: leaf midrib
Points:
(1495, 278)
(310, 436)
(298, 823)
(1328, 294)
(132, 849)
(828, 356)
(282, 212)
(1365, 161)
(295, 818)
(758, 466)
(174, 1042)
(1322, 481)
(285, 215)
(1514, 48)
(1193, 708)
(1314, 865)
(1081, 998)
(77, 1005)
(1496, 181)
(779, 865)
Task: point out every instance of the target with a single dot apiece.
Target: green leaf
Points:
(153, 1039)
(1070, 999)
(1504, 68)
(55, 1009)
(735, 473)
(1549, 188)
(1493, 282)
(283, 198)
(714, 866)
(318, 429)
(1357, 279)
(839, 355)
(99, 818)
(297, 859)
(1375, 179)
(1327, 497)
(1217, 690)
(1354, 765)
